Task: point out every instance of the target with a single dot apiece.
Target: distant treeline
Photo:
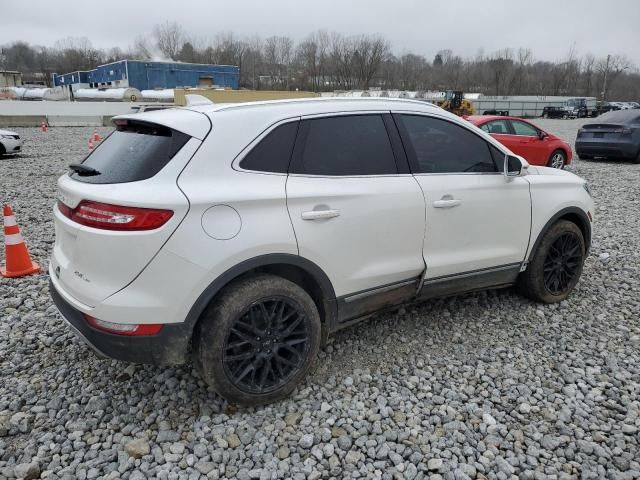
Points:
(330, 61)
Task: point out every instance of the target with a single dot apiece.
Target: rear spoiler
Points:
(193, 123)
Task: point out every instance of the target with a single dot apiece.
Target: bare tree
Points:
(610, 69)
(169, 38)
(500, 65)
(329, 61)
(368, 54)
(588, 73)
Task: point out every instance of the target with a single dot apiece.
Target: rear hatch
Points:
(603, 131)
(118, 207)
(616, 125)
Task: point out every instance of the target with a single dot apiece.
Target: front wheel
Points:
(258, 341)
(556, 266)
(558, 159)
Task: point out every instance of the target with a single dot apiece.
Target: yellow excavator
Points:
(455, 102)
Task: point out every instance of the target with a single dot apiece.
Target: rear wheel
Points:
(258, 341)
(2, 150)
(637, 159)
(558, 159)
(556, 265)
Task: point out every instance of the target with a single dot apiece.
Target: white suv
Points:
(243, 235)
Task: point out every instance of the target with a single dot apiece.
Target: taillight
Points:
(115, 217)
(129, 329)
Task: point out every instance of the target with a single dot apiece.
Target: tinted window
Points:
(522, 128)
(135, 151)
(498, 157)
(444, 147)
(273, 152)
(616, 116)
(497, 126)
(348, 145)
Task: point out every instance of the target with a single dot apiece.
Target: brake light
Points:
(124, 328)
(115, 217)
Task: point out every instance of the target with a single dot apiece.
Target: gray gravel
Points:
(488, 385)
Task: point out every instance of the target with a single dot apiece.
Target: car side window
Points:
(273, 153)
(344, 145)
(439, 146)
(497, 126)
(522, 128)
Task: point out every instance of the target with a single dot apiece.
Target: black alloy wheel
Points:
(562, 263)
(267, 345)
(556, 264)
(258, 339)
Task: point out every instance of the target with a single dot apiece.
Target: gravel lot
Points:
(488, 385)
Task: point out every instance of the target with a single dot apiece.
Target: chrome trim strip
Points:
(472, 273)
(375, 291)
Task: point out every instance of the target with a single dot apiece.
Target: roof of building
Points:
(172, 62)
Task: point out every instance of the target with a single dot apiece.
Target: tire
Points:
(2, 150)
(557, 159)
(240, 355)
(533, 283)
(636, 160)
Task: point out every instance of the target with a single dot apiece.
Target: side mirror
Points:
(541, 135)
(514, 166)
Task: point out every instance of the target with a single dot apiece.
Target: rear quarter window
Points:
(273, 153)
(134, 151)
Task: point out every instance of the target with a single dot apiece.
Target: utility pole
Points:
(604, 84)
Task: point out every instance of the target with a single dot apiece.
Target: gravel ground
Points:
(488, 385)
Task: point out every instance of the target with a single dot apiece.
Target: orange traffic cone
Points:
(44, 126)
(19, 262)
(96, 135)
(90, 143)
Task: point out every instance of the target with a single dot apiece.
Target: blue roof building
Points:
(147, 75)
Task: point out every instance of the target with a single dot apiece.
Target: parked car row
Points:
(615, 134)
(524, 138)
(578, 108)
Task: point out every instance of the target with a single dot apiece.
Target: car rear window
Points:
(615, 116)
(134, 151)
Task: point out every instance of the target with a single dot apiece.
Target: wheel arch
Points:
(294, 268)
(573, 214)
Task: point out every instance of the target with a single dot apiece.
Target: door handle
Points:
(320, 214)
(446, 203)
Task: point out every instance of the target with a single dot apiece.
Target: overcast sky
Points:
(548, 27)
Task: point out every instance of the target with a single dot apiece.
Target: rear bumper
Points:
(606, 149)
(169, 347)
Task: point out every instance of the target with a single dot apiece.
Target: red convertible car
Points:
(524, 138)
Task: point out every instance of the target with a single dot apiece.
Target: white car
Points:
(241, 236)
(10, 142)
